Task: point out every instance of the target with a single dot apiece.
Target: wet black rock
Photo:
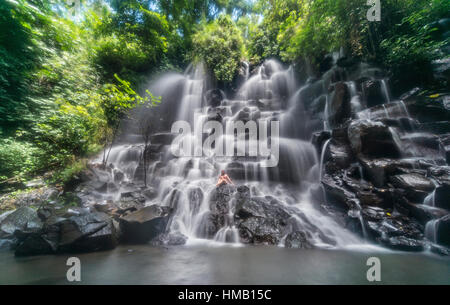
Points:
(24, 220)
(339, 108)
(442, 197)
(443, 231)
(118, 175)
(143, 225)
(372, 139)
(214, 97)
(379, 170)
(445, 146)
(169, 239)
(417, 187)
(37, 244)
(261, 220)
(220, 198)
(423, 213)
(339, 154)
(373, 92)
(150, 192)
(91, 232)
(318, 139)
(441, 174)
(427, 109)
(220, 203)
(336, 191)
(35, 197)
(393, 230)
(403, 243)
(298, 240)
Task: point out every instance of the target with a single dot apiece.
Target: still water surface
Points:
(202, 264)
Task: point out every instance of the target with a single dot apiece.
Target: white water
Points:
(187, 183)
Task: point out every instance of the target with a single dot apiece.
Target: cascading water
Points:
(187, 183)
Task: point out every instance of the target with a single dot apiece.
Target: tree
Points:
(219, 44)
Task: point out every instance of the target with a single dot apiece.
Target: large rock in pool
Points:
(219, 206)
(44, 241)
(373, 139)
(403, 243)
(261, 220)
(23, 220)
(298, 240)
(143, 225)
(94, 231)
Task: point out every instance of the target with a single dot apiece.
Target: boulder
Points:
(118, 175)
(298, 240)
(443, 231)
(318, 139)
(439, 173)
(445, 146)
(379, 170)
(219, 205)
(373, 92)
(424, 213)
(337, 192)
(427, 110)
(339, 108)
(91, 232)
(22, 221)
(104, 239)
(372, 139)
(220, 198)
(261, 220)
(143, 225)
(393, 230)
(417, 187)
(132, 195)
(442, 197)
(39, 243)
(34, 198)
(171, 239)
(339, 154)
(150, 193)
(104, 207)
(214, 97)
(403, 243)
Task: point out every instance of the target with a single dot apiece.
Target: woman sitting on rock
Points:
(224, 179)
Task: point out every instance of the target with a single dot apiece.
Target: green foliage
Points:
(65, 175)
(262, 44)
(405, 41)
(60, 108)
(414, 42)
(118, 100)
(220, 45)
(130, 42)
(17, 157)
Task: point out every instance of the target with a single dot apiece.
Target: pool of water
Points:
(205, 264)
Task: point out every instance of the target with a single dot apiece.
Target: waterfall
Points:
(186, 183)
